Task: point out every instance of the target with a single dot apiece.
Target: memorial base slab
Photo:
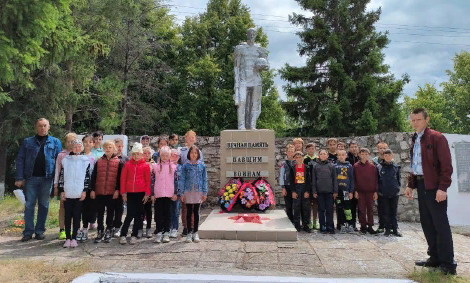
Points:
(277, 228)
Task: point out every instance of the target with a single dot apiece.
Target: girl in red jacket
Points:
(135, 189)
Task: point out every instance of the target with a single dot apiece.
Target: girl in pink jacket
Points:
(164, 193)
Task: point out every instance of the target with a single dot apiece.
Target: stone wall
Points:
(398, 142)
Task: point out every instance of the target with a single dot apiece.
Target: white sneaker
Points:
(174, 233)
(84, 235)
(117, 233)
(79, 235)
(158, 238)
(166, 237)
(189, 238)
(123, 240)
(133, 241)
(196, 237)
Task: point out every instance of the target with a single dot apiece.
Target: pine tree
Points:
(345, 87)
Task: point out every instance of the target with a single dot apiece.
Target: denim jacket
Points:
(29, 151)
(192, 177)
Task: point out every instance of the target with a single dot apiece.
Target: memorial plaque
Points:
(234, 145)
(247, 154)
(462, 158)
(247, 159)
(246, 174)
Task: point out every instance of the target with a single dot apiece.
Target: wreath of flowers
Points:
(265, 193)
(249, 196)
(228, 194)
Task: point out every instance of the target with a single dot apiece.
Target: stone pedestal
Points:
(248, 154)
(276, 227)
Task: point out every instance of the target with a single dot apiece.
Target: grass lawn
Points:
(10, 205)
(41, 271)
(12, 209)
(428, 276)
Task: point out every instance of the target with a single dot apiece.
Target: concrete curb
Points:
(180, 278)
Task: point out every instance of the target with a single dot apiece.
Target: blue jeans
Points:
(36, 188)
(176, 213)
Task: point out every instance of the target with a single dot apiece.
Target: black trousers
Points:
(148, 214)
(289, 204)
(380, 211)
(163, 213)
(343, 207)
(325, 211)
(389, 209)
(92, 209)
(88, 210)
(73, 207)
(135, 210)
(301, 206)
(354, 211)
(435, 224)
(105, 202)
(118, 211)
(192, 208)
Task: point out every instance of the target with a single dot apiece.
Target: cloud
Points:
(419, 21)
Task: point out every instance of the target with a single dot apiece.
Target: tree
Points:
(345, 87)
(449, 108)
(25, 32)
(437, 106)
(272, 116)
(457, 93)
(136, 31)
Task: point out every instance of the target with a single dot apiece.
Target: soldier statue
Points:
(250, 60)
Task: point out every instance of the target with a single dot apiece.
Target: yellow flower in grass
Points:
(225, 194)
(231, 196)
(227, 198)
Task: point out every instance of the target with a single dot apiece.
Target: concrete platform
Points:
(277, 228)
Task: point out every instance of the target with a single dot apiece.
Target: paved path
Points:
(313, 255)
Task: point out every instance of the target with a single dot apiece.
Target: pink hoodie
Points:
(164, 179)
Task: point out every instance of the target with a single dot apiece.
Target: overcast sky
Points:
(424, 34)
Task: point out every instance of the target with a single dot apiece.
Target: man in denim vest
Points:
(35, 170)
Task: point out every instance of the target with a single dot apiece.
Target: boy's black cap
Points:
(388, 151)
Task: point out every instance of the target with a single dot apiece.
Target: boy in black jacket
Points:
(310, 159)
(286, 180)
(344, 173)
(325, 188)
(389, 189)
(301, 193)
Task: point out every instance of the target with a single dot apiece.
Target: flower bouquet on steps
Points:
(265, 194)
(248, 196)
(228, 195)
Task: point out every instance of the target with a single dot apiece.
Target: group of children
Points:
(92, 177)
(313, 184)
